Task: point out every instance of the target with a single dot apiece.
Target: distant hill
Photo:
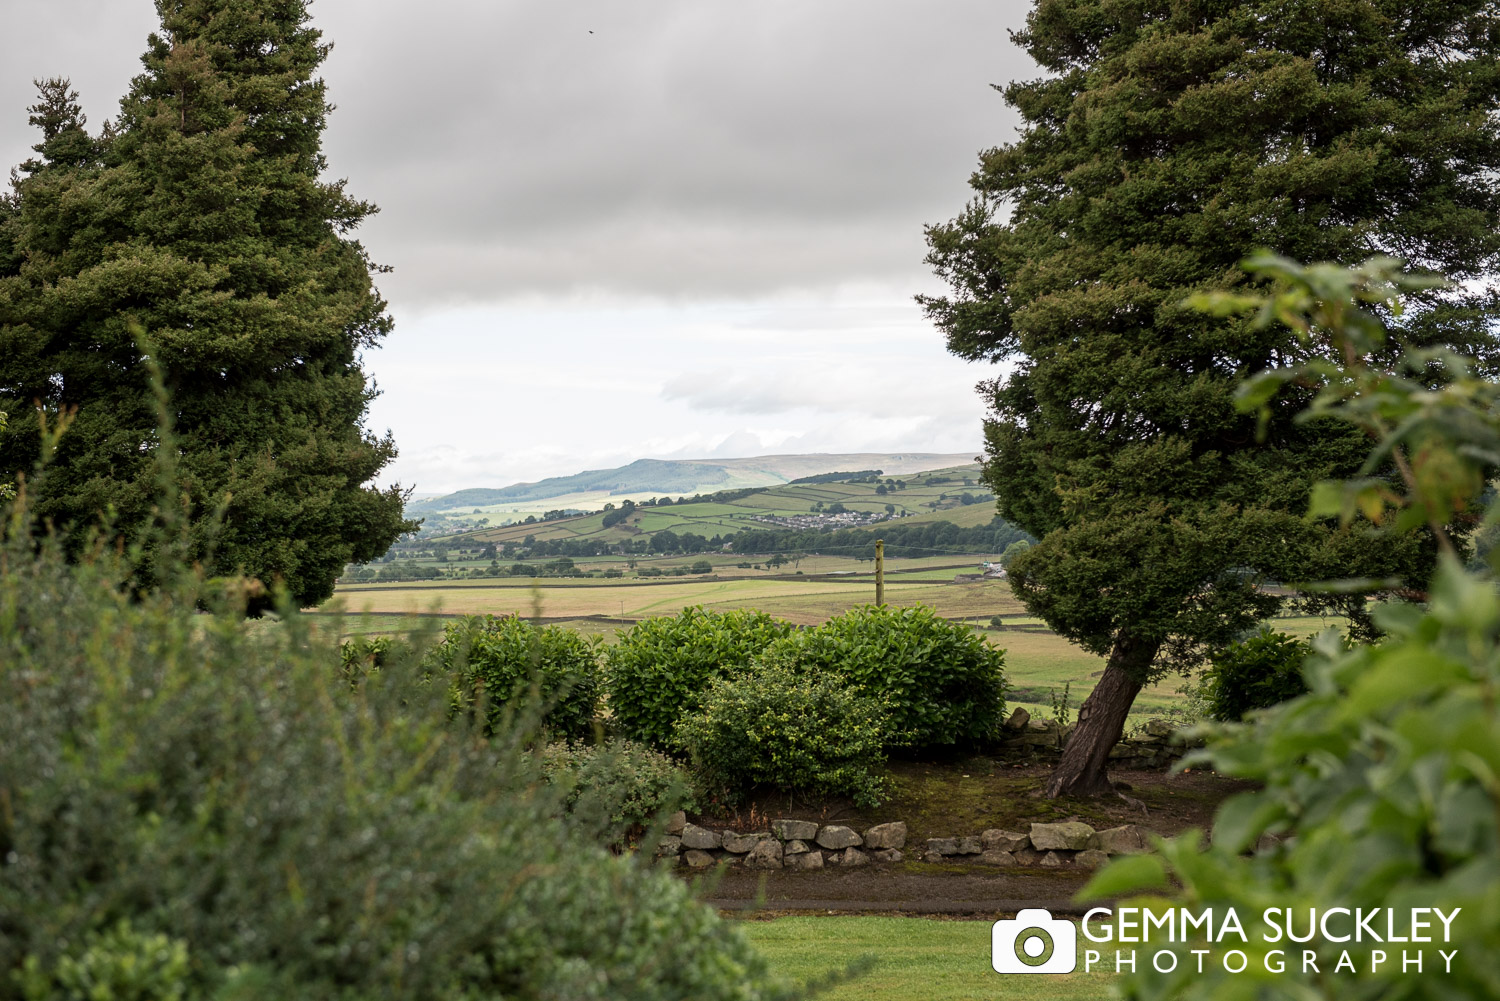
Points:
(647, 477)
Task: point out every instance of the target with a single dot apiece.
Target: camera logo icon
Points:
(1034, 942)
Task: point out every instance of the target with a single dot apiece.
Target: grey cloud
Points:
(693, 148)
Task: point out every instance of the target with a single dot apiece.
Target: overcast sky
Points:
(667, 228)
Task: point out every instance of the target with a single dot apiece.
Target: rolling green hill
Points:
(951, 495)
(647, 478)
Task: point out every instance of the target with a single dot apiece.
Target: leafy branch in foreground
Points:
(1383, 781)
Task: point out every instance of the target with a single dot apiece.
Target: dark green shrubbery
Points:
(808, 734)
(1255, 673)
(658, 670)
(609, 789)
(197, 806)
(497, 660)
(941, 682)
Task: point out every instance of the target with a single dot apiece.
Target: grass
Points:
(915, 959)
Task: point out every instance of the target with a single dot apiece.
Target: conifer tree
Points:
(198, 233)
(1168, 140)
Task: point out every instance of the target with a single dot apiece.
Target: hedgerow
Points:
(656, 674)
(941, 683)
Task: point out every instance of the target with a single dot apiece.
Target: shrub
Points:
(610, 788)
(221, 783)
(941, 682)
(1255, 673)
(496, 660)
(806, 734)
(658, 670)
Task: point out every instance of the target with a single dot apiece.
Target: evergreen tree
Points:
(1169, 139)
(199, 231)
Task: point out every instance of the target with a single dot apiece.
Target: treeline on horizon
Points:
(901, 541)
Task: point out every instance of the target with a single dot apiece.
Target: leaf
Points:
(1128, 874)
(1242, 818)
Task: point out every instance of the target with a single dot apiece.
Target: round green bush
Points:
(656, 673)
(610, 788)
(498, 659)
(804, 734)
(941, 682)
(1255, 673)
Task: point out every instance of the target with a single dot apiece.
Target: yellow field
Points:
(804, 601)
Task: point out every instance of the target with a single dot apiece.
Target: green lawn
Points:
(916, 959)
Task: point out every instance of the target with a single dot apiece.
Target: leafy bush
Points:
(496, 660)
(222, 783)
(940, 681)
(805, 734)
(658, 670)
(612, 787)
(1382, 778)
(1255, 673)
(116, 965)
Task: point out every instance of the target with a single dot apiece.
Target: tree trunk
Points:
(1101, 722)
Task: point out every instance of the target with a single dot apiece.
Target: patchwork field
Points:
(936, 495)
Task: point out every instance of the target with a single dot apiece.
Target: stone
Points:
(994, 856)
(795, 847)
(697, 859)
(892, 835)
(1018, 719)
(838, 836)
(701, 838)
(804, 861)
(886, 855)
(1125, 840)
(1091, 857)
(1159, 728)
(765, 855)
(1027, 856)
(1267, 842)
(853, 856)
(795, 830)
(942, 846)
(969, 846)
(1069, 836)
(668, 861)
(669, 847)
(1006, 841)
(739, 844)
(1052, 858)
(676, 822)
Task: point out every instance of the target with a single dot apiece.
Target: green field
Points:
(913, 959)
(936, 495)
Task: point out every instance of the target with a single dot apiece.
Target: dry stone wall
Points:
(803, 845)
(1156, 744)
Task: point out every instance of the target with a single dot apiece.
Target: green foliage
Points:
(611, 788)
(7, 490)
(116, 965)
(221, 783)
(498, 661)
(197, 232)
(1255, 673)
(940, 681)
(658, 670)
(806, 734)
(1383, 776)
(1161, 143)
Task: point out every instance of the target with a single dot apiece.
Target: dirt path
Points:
(905, 888)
